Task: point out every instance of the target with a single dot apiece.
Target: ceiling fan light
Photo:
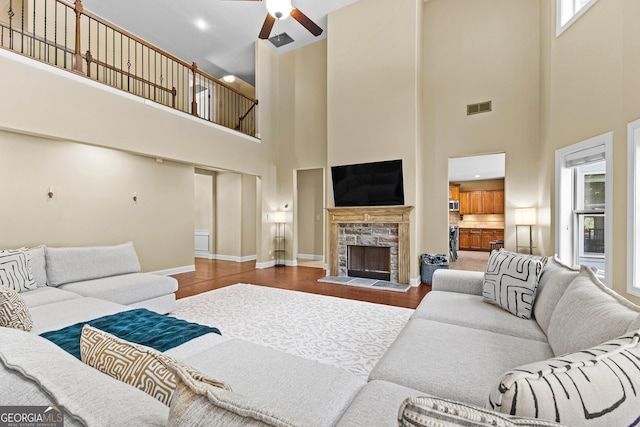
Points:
(279, 9)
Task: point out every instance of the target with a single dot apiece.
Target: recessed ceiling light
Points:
(230, 78)
(477, 176)
(200, 23)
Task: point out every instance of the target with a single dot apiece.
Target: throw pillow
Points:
(15, 271)
(432, 411)
(554, 281)
(595, 387)
(38, 269)
(202, 403)
(588, 314)
(13, 311)
(510, 281)
(136, 365)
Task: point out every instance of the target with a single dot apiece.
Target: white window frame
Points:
(633, 204)
(576, 15)
(564, 201)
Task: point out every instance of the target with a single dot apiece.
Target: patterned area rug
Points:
(348, 334)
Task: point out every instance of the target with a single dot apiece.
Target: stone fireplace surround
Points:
(372, 226)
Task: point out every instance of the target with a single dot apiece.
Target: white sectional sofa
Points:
(83, 281)
(455, 346)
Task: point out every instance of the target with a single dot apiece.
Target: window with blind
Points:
(583, 201)
(633, 208)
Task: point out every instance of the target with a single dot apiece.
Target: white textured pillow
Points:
(13, 311)
(510, 281)
(197, 402)
(38, 269)
(595, 387)
(426, 411)
(15, 270)
(588, 314)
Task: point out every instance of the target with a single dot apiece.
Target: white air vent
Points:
(482, 107)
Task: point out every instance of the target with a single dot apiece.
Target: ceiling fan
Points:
(281, 9)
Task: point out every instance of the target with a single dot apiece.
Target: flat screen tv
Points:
(368, 184)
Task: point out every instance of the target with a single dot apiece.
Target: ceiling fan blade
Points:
(266, 27)
(306, 22)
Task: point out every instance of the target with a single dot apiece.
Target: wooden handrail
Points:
(155, 72)
(145, 43)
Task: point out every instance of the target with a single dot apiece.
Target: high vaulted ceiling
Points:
(226, 43)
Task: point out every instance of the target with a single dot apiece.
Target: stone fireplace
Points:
(370, 242)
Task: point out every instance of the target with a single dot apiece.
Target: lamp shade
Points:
(279, 9)
(525, 216)
(279, 217)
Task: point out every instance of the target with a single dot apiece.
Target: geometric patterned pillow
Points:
(595, 387)
(13, 311)
(15, 270)
(429, 411)
(140, 366)
(511, 280)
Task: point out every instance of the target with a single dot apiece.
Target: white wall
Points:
(93, 199)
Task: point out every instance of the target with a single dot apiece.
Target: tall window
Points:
(633, 208)
(568, 11)
(583, 203)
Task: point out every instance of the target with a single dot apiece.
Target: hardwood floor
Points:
(214, 274)
(470, 260)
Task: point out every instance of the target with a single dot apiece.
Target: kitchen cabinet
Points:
(454, 192)
(463, 238)
(478, 239)
(482, 202)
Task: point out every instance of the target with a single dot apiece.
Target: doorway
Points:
(476, 209)
(310, 217)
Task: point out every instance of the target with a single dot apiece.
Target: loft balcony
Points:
(67, 36)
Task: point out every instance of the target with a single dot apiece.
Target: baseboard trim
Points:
(267, 264)
(176, 270)
(415, 281)
(311, 256)
(206, 255)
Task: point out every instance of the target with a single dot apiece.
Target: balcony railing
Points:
(67, 36)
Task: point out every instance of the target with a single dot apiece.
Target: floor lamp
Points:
(280, 218)
(525, 217)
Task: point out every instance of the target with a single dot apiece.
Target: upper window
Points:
(568, 12)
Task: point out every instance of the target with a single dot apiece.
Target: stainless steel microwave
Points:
(454, 205)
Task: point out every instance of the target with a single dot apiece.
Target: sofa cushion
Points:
(452, 361)
(200, 403)
(588, 314)
(377, 405)
(47, 295)
(87, 396)
(66, 265)
(594, 387)
(38, 269)
(555, 279)
(142, 367)
(429, 411)
(126, 288)
(470, 311)
(60, 314)
(301, 388)
(13, 311)
(15, 271)
(510, 281)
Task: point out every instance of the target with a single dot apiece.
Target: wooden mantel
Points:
(372, 215)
